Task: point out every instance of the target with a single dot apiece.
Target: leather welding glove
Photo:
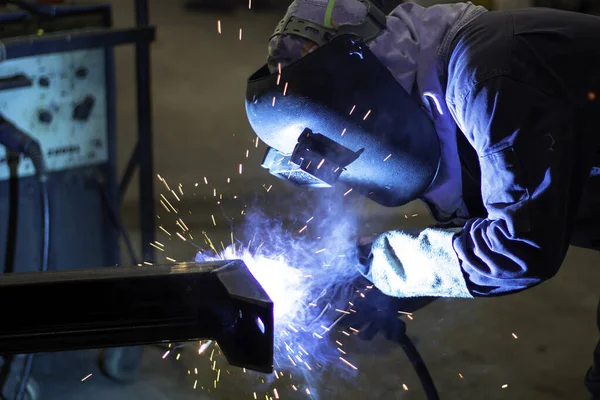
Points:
(409, 264)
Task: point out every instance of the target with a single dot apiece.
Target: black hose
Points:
(419, 366)
(36, 155)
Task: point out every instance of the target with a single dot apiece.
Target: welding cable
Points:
(419, 367)
(19, 142)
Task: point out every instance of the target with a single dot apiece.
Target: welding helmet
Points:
(337, 115)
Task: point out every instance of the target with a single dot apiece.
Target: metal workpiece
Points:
(126, 306)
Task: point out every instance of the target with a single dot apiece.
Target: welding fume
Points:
(490, 118)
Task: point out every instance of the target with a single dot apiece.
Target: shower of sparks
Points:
(504, 386)
(285, 88)
(164, 230)
(240, 33)
(404, 386)
(219, 26)
(344, 131)
(461, 376)
(166, 354)
(515, 336)
(240, 169)
(213, 219)
(388, 157)
(353, 108)
(86, 377)
(348, 192)
(348, 364)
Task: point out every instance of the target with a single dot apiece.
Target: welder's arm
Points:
(525, 144)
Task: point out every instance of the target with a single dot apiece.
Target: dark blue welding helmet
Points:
(337, 115)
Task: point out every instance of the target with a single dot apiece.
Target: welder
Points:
(490, 118)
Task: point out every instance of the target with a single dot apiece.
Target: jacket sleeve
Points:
(531, 186)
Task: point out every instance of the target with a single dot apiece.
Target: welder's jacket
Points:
(513, 97)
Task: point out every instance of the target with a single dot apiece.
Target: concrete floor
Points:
(201, 130)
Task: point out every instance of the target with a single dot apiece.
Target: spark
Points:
(461, 376)
(292, 328)
(321, 164)
(303, 229)
(159, 177)
(240, 33)
(307, 366)
(178, 356)
(404, 312)
(310, 219)
(410, 317)
(196, 184)
(215, 383)
(181, 189)
(317, 335)
(278, 79)
(213, 219)
(345, 333)
(196, 371)
(204, 346)
(348, 364)
(214, 192)
(205, 180)
(367, 115)
(285, 88)
(257, 139)
(171, 259)
(247, 153)
(181, 237)
(86, 377)
(195, 383)
(156, 247)
(515, 336)
(353, 108)
(240, 169)
(274, 98)
(166, 184)
(275, 393)
(255, 395)
(295, 388)
(415, 215)
(344, 131)
(159, 243)
(591, 96)
(307, 391)
(339, 343)
(164, 230)
(354, 330)
(348, 192)
(148, 263)
(218, 374)
(320, 251)
(404, 386)
(165, 206)
(341, 351)
(219, 26)
(249, 8)
(504, 386)
(342, 311)
(228, 180)
(279, 68)
(166, 354)
(388, 157)
(214, 365)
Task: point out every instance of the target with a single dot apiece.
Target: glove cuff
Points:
(406, 265)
